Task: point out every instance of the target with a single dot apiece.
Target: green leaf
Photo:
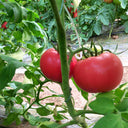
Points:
(14, 11)
(58, 117)
(10, 118)
(6, 75)
(49, 124)
(109, 95)
(18, 121)
(36, 120)
(118, 95)
(19, 100)
(26, 36)
(125, 124)
(17, 55)
(2, 101)
(84, 94)
(126, 26)
(2, 64)
(104, 19)
(123, 105)
(8, 71)
(125, 116)
(102, 105)
(123, 3)
(17, 35)
(75, 84)
(31, 75)
(98, 27)
(16, 63)
(35, 28)
(110, 121)
(43, 111)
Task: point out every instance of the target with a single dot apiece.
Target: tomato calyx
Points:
(90, 50)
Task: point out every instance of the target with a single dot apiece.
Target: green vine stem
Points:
(37, 96)
(64, 62)
(67, 124)
(110, 33)
(77, 51)
(63, 56)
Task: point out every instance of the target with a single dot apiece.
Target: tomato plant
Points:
(29, 31)
(50, 65)
(98, 74)
(4, 25)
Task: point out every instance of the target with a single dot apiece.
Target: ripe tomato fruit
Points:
(4, 25)
(108, 1)
(75, 14)
(50, 65)
(98, 74)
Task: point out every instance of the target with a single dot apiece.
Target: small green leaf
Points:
(34, 28)
(84, 94)
(36, 120)
(2, 101)
(19, 100)
(98, 27)
(123, 106)
(125, 124)
(110, 121)
(109, 95)
(26, 36)
(49, 124)
(104, 19)
(125, 116)
(102, 105)
(17, 35)
(8, 71)
(14, 11)
(58, 117)
(6, 75)
(18, 121)
(16, 63)
(118, 95)
(43, 111)
(17, 55)
(126, 26)
(10, 119)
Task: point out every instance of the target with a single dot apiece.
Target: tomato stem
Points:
(77, 51)
(63, 56)
(64, 62)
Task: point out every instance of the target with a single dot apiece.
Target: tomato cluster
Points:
(74, 13)
(95, 74)
(4, 25)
